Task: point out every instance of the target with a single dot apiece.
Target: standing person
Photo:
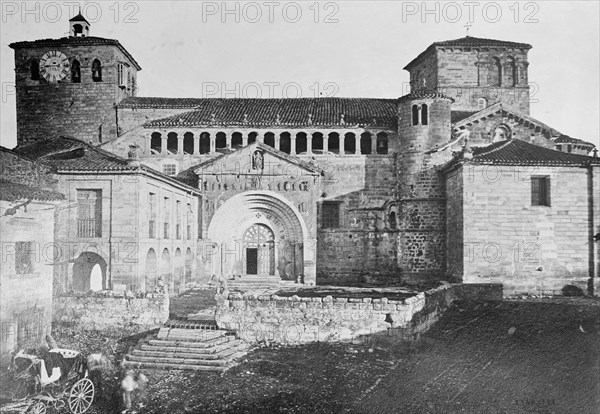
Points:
(127, 388)
(96, 365)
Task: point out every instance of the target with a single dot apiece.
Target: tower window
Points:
(559, 147)
(96, 71)
(424, 115)
(569, 148)
(501, 133)
(415, 115)
(392, 220)
(481, 103)
(331, 215)
(496, 72)
(35, 70)
(122, 75)
(77, 29)
(540, 191)
(75, 71)
(382, 143)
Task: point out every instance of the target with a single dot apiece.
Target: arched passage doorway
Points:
(165, 269)
(151, 271)
(178, 275)
(265, 221)
(86, 266)
(188, 266)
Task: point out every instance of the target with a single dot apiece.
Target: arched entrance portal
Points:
(259, 250)
(86, 266)
(151, 271)
(261, 233)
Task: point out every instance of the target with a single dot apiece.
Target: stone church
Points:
(454, 181)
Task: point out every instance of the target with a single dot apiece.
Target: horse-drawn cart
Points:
(58, 379)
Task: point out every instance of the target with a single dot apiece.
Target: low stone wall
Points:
(296, 319)
(111, 315)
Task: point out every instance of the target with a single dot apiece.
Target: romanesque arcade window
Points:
(34, 69)
(96, 71)
(75, 71)
(424, 115)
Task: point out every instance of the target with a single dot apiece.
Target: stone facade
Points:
(495, 235)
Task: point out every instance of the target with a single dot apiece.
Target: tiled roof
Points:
(519, 152)
(457, 116)
(11, 191)
(424, 93)
(78, 18)
(70, 155)
(469, 41)
(75, 41)
(256, 112)
(565, 139)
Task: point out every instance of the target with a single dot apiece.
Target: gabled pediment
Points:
(502, 110)
(256, 159)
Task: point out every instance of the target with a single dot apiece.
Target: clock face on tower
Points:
(54, 66)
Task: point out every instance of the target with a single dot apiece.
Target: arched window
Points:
(334, 143)
(155, 143)
(481, 103)
(285, 142)
(365, 143)
(501, 133)
(317, 143)
(269, 139)
(382, 143)
(77, 29)
(496, 72)
(515, 73)
(301, 143)
(349, 143)
(172, 142)
(34, 68)
(392, 220)
(415, 115)
(75, 71)
(188, 143)
(96, 71)
(221, 141)
(424, 115)
(252, 137)
(236, 140)
(204, 143)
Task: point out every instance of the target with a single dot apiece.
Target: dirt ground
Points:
(537, 356)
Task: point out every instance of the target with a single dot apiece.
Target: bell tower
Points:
(71, 85)
(79, 26)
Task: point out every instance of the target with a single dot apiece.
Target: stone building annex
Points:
(454, 181)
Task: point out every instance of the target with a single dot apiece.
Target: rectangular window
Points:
(170, 169)
(540, 191)
(178, 218)
(24, 258)
(330, 215)
(152, 215)
(166, 214)
(89, 213)
(122, 74)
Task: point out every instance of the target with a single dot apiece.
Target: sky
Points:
(329, 48)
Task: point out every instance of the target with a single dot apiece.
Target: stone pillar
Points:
(356, 143)
(179, 144)
(148, 148)
(325, 143)
(292, 144)
(244, 140)
(213, 143)
(373, 144)
(163, 144)
(278, 142)
(228, 141)
(197, 144)
(308, 144)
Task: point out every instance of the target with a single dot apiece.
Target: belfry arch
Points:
(261, 233)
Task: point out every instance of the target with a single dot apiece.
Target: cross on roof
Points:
(468, 26)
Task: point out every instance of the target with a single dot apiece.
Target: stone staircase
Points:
(251, 281)
(188, 346)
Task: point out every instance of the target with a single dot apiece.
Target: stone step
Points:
(191, 344)
(190, 334)
(181, 354)
(156, 365)
(194, 321)
(227, 359)
(178, 347)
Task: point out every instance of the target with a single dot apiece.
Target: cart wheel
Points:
(81, 396)
(37, 408)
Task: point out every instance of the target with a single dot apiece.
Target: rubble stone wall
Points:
(116, 316)
(296, 319)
